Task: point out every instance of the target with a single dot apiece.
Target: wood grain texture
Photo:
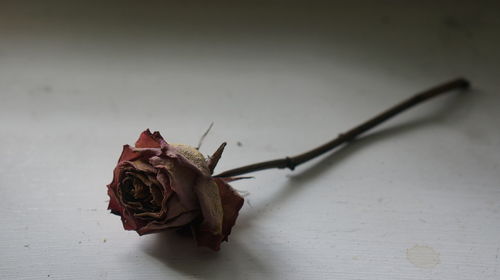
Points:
(77, 81)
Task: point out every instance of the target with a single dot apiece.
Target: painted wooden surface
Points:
(417, 198)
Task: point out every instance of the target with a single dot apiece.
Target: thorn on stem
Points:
(214, 159)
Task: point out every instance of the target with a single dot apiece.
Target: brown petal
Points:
(210, 203)
(189, 156)
(164, 181)
(156, 194)
(147, 215)
(146, 180)
(180, 179)
(148, 140)
(127, 154)
(175, 208)
(179, 221)
(142, 166)
(231, 205)
(130, 222)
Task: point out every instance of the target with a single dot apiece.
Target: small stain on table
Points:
(423, 256)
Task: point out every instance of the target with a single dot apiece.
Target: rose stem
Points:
(292, 162)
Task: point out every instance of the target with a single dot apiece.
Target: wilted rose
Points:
(159, 186)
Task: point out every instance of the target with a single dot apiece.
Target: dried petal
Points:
(211, 206)
(148, 140)
(181, 180)
(231, 205)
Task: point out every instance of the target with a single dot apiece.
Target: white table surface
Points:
(417, 198)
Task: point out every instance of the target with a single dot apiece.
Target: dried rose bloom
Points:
(159, 186)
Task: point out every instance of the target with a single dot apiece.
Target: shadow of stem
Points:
(459, 103)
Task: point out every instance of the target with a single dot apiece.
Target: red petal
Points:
(128, 154)
(114, 205)
(231, 204)
(148, 140)
(130, 222)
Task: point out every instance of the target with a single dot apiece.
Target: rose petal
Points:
(130, 222)
(164, 180)
(156, 194)
(114, 205)
(188, 156)
(179, 221)
(148, 140)
(175, 208)
(116, 177)
(210, 202)
(145, 153)
(180, 179)
(128, 154)
(142, 166)
(147, 215)
(231, 204)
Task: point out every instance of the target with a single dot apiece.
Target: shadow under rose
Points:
(180, 253)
